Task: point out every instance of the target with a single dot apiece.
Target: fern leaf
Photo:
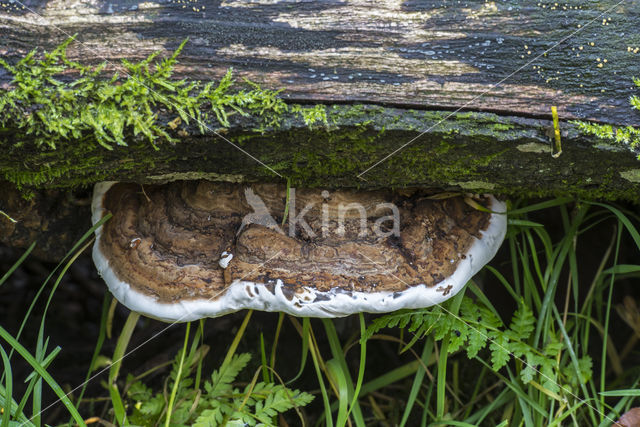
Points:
(522, 323)
(152, 407)
(477, 341)
(279, 400)
(548, 375)
(499, 351)
(553, 347)
(209, 418)
(582, 375)
(400, 318)
(459, 335)
(221, 379)
(138, 391)
(529, 370)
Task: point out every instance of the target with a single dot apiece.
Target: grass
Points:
(546, 335)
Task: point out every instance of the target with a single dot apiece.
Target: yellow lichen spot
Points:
(600, 65)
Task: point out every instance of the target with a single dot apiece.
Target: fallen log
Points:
(372, 94)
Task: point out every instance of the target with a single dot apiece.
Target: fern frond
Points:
(221, 379)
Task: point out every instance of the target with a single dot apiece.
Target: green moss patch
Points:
(53, 103)
(64, 125)
(627, 135)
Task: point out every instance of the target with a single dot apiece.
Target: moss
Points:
(535, 147)
(311, 145)
(446, 162)
(44, 111)
(502, 126)
(632, 175)
(626, 135)
(311, 115)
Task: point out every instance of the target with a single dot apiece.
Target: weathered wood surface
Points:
(415, 54)
(410, 63)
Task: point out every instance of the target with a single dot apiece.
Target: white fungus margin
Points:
(241, 295)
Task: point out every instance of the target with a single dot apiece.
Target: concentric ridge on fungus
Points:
(193, 249)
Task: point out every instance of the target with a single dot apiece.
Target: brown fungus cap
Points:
(193, 249)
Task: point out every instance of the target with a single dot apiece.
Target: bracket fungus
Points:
(191, 249)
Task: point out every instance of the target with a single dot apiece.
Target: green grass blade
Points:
(339, 379)
(7, 405)
(199, 339)
(390, 377)
(263, 359)
(574, 362)
(361, 366)
(118, 355)
(272, 361)
(323, 390)
(555, 264)
(17, 263)
(441, 380)
(98, 347)
(453, 423)
(503, 398)
(417, 381)
(174, 390)
(625, 402)
(60, 264)
(236, 341)
(622, 392)
(542, 205)
(338, 354)
(523, 223)
(444, 355)
(40, 346)
(43, 373)
(623, 269)
(513, 383)
(623, 219)
(607, 316)
(305, 348)
(503, 281)
(22, 420)
(45, 363)
(35, 379)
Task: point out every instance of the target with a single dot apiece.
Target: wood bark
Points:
(459, 93)
(510, 57)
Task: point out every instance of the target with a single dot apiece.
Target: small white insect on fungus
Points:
(197, 255)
